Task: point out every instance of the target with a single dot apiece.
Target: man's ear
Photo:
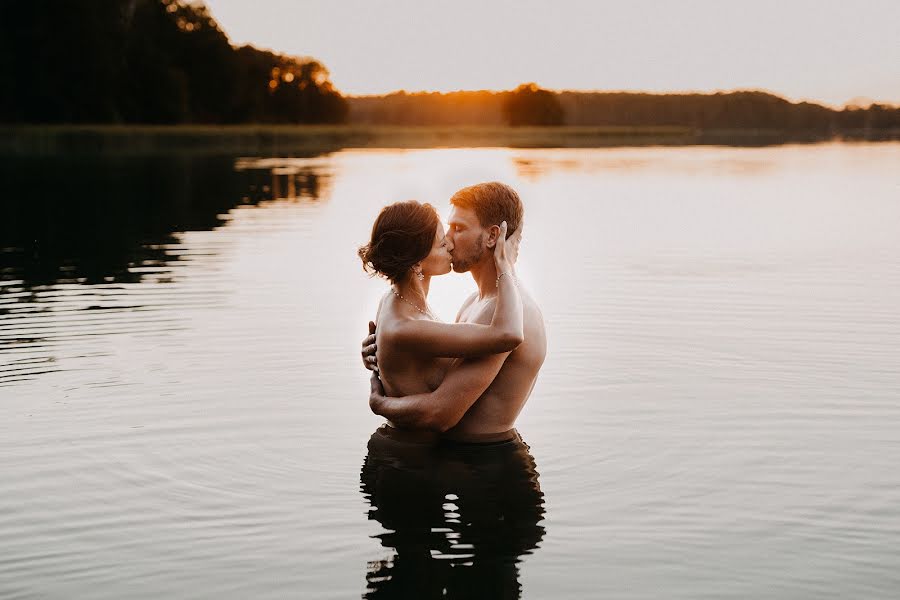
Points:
(493, 234)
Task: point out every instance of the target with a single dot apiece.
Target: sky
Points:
(823, 50)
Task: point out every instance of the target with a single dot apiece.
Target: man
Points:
(479, 398)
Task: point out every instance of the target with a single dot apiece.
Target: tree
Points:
(530, 105)
(285, 89)
(147, 61)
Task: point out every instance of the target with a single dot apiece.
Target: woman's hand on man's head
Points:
(506, 251)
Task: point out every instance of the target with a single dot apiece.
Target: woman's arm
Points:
(464, 340)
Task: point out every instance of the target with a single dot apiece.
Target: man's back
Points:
(496, 409)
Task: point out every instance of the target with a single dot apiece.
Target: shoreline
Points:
(37, 140)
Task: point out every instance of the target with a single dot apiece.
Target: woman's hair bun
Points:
(402, 235)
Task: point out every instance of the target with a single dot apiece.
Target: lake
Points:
(183, 409)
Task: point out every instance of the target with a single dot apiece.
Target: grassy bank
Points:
(298, 139)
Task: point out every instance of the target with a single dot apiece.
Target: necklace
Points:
(427, 312)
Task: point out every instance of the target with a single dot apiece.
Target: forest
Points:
(149, 62)
(529, 105)
(168, 62)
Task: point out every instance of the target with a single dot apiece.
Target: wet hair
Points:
(493, 203)
(403, 234)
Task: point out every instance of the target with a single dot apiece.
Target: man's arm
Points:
(444, 407)
(369, 348)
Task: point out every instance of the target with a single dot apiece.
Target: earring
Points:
(420, 275)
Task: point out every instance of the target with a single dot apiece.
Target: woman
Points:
(414, 348)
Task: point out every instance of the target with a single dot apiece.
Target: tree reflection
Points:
(459, 516)
(284, 181)
(92, 219)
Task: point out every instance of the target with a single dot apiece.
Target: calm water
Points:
(183, 412)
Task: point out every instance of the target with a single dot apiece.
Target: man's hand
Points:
(369, 348)
(376, 396)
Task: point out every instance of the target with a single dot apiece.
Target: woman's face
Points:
(438, 260)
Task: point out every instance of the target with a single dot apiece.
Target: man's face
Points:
(467, 237)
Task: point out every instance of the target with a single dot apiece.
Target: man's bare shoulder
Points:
(465, 307)
(534, 318)
(530, 355)
(532, 309)
(483, 312)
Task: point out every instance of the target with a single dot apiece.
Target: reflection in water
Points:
(459, 516)
(696, 162)
(95, 220)
(735, 332)
(283, 179)
(96, 245)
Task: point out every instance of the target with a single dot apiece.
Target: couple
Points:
(450, 480)
(466, 381)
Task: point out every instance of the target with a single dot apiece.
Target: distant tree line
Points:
(732, 110)
(168, 62)
(530, 105)
(148, 61)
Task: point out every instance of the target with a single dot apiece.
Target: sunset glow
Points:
(803, 50)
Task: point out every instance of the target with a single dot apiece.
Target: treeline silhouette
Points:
(529, 105)
(148, 61)
(169, 62)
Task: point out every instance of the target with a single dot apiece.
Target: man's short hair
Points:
(493, 203)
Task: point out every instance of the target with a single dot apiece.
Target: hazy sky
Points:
(824, 50)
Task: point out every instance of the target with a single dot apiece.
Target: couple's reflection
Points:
(459, 516)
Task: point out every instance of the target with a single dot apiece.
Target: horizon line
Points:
(857, 102)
